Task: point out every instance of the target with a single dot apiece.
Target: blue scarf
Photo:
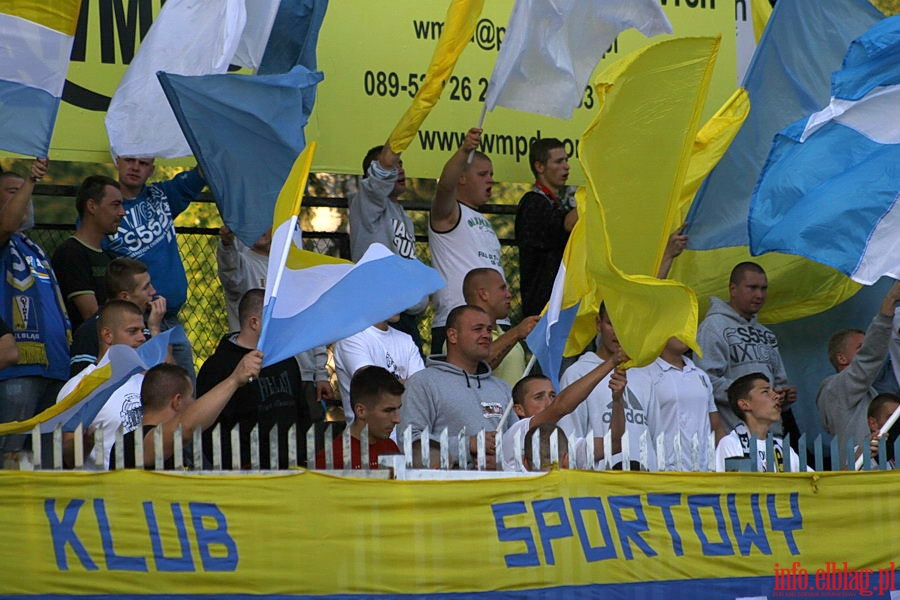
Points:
(32, 305)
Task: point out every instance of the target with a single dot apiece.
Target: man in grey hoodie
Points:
(457, 391)
(734, 343)
(857, 356)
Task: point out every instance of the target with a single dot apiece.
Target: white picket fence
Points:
(405, 465)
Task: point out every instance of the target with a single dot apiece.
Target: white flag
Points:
(552, 47)
(189, 37)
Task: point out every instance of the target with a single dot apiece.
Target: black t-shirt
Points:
(275, 398)
(187, 452)
(80, 269)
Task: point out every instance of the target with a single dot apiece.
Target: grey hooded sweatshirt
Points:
(734, 346)
(844, 397)
(444, 395)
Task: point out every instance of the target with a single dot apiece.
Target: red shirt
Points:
(379, 448)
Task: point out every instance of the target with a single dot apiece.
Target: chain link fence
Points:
(204, 315)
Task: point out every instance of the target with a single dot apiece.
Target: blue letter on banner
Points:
(592, 553)
(207, 537)
(529, 558)
(698, 501)
(114, 562)
(551, 532)
(630, 530)
(183, 563)
(786, 524)
(63, 532)
(746, 537)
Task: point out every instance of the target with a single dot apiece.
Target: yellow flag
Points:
(709, 145)
(287, 208)
(636, 155)
(762, 10)
(459, 25)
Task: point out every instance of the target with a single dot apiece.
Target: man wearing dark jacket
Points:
(275, 398)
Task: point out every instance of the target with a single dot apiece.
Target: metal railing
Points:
(316, 444)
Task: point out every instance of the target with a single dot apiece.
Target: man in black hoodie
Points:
(275, 398)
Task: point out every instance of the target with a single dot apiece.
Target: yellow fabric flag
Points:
(709, 145)
(459, 25)
(761, 10)
(636, 155)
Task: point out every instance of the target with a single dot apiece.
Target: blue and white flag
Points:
(82, 402)
(313, 299)
(803, 43)
(830, 187)
(548, 338)
(327, 302)
(245, 132)
(35, 43)
(551, 49)
(190, 37)
(123, 362)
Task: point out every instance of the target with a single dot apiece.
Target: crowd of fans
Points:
(119, 280)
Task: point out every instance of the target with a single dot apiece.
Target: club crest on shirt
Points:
(491, 409)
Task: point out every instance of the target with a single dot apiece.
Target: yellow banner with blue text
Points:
(138, 534)
(374, 58)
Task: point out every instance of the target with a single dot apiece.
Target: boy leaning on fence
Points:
(758, 405)
(167, 397)
(376, 396)
(536, 404)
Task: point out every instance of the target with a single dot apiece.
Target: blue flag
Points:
(830, 187)
(788, 78)
(293, 41)
(245, 132)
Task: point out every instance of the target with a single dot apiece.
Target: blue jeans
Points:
(182, 353)
(20, 399)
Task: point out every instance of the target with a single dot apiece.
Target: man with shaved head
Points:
(735, 343)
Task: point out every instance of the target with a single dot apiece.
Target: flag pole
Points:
(282, 261)
(884, 429)
(480, 126)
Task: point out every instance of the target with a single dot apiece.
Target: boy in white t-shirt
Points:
(536, 403)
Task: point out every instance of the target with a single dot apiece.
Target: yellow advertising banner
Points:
(564, 534)
(374, 58)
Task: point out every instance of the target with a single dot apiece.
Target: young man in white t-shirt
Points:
(119, 322)
(459, 236)
(379, 345)
(687, 408)
(536, 403)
